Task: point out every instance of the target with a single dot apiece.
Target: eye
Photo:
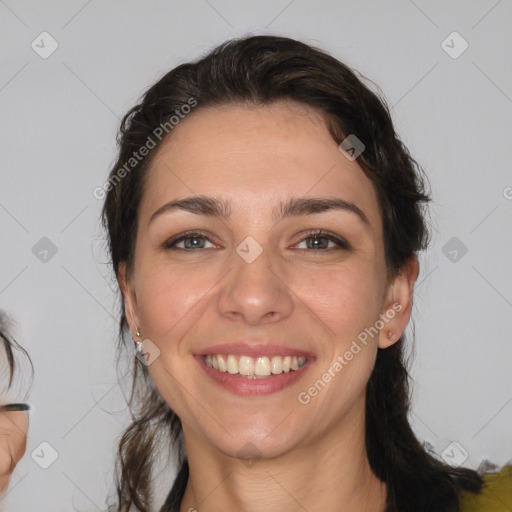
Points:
(192, 240)
(322, 238)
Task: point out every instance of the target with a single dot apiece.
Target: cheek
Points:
(168, 300)
(345, 299)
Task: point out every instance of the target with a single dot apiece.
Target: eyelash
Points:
(318, 234)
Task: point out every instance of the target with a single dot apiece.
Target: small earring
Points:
(138, 344)
(390, 336)
(136, 328)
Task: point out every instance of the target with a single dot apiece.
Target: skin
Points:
(306, 457)
(13, 443)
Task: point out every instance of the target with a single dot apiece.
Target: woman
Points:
(264, 220)
(13, 419)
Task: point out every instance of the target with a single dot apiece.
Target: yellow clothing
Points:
(496, 494)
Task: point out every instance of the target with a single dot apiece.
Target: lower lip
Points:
(243, 386)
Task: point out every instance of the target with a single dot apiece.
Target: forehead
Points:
(255, 157)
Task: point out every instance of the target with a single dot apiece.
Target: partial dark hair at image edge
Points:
(9, 345)
(259, 70)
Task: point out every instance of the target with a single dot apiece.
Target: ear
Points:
(129, 299)
(398, 303)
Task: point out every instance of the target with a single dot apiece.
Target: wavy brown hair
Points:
(259, 70)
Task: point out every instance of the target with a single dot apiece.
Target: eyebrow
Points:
(293, 207)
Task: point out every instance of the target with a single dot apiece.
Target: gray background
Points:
(60, 115)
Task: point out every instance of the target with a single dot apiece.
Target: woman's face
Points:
(254, 279)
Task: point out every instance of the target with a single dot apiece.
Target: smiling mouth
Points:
(254, 367)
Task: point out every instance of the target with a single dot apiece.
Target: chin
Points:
(254, 444)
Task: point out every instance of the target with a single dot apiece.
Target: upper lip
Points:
(254, 350)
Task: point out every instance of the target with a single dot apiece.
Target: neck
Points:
(331, 472)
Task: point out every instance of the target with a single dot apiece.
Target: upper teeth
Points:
(261, 366)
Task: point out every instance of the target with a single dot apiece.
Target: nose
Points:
(254, 292)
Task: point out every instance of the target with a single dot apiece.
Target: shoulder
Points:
(496, 494)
